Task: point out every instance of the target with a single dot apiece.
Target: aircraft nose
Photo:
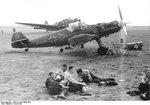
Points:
(117, 23)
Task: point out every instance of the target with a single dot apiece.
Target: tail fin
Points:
(19, 40)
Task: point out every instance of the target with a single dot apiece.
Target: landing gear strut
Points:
(103, 50)
(26, 49)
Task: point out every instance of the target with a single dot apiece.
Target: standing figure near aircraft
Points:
(46, 22)
(14, 30)
(2, 32)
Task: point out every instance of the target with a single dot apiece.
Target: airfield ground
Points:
(22, 74)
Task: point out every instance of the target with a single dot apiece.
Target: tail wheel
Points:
(82, 45)
(27, 49)
(61, 50)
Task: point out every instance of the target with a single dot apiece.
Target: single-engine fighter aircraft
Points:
(75, 34)
(56, 26)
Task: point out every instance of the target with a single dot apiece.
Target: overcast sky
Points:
(90, 11)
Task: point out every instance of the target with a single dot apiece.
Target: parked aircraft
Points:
(76, 34)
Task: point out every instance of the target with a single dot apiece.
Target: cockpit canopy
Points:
(76, 26)
(66, 22)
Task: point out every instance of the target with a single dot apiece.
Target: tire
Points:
(26, 50)
(82, 45)
(102, 51)
(61, 50)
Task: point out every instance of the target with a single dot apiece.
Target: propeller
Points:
(122, 23)
(123, 31)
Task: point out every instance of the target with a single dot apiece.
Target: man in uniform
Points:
(54, 85)
(73, 84)
(88, 77)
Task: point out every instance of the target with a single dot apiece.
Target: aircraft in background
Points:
(76, 34)
(56, 26)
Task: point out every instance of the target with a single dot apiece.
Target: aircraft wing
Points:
(41, 26)
(81, 39)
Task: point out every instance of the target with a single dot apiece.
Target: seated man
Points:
(88, 77)
(144, 87)
(73, 85)
(54, 86)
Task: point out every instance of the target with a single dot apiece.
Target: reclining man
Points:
(88, 77)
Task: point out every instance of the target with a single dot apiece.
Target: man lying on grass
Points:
(88, 77)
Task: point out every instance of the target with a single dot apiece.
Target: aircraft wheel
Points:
(82, 45)
(102, 51)
(27, 49)
(61, 50)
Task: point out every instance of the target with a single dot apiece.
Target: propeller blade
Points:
(125, 30)
(120, 13)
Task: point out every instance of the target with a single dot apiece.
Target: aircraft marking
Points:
(52, 39)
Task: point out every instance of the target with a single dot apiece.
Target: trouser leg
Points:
(101, 79)
(143, 87)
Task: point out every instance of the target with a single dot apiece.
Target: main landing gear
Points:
(103, 50)
(66, 48)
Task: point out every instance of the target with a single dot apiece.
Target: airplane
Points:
(76, 34)
(56, 26)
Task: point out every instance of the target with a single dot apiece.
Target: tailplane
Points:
(19, 40)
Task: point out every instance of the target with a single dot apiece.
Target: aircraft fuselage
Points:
(59, 38)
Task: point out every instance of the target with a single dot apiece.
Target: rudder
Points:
(19, 40)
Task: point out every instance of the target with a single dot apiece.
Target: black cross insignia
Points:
(52, 39)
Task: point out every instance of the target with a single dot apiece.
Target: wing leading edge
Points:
(41, 26)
